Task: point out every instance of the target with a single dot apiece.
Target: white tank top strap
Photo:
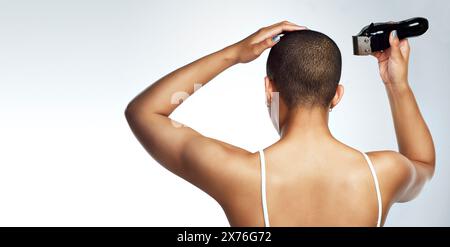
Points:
(263, 188)
(377, 188)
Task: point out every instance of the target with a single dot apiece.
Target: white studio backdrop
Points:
(69, 68)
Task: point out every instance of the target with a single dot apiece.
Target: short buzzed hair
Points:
(305, 67)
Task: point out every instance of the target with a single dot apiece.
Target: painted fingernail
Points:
(276, 38)
(394, 33)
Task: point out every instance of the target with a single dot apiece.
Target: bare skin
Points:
(312, 178)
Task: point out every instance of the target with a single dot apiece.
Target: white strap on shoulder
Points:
(377, 188)
(263, 188)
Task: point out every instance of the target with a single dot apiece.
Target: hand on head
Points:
(254, 45)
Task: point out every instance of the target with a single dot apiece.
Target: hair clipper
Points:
(375, 37)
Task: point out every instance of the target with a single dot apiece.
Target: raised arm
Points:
(414, 140)
(180, 149)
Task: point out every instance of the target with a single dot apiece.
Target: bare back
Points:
(332, 186)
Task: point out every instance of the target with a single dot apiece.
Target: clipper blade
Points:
(361, 46)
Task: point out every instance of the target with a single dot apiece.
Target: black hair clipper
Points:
(375, 37)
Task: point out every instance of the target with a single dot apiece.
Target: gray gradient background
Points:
(68, 69)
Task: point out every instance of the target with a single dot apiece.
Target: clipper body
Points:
(375, 37)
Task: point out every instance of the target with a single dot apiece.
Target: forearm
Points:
(413, 136)
(158, 97)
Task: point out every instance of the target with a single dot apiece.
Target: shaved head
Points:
(305, 67)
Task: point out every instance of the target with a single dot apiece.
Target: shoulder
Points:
(220, 169)
(394, 172)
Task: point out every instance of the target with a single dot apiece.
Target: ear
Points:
(338, 96)
(268, 84)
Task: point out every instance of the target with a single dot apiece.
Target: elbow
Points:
(432, 159)
(137, 113)
(432, 165)
(431, 162)
(131, 112)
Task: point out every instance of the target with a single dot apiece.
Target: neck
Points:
(305, 124)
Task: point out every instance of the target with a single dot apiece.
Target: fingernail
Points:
(394, 33)
(276, 38)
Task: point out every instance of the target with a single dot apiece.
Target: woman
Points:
(307, 178)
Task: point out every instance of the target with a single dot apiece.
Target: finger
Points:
(284, 25)
(266, 44)
(288, 22)
(283, 22)
(278, 29)
(376, 54)
(395, 45)
(381, 56)
(404, 48)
